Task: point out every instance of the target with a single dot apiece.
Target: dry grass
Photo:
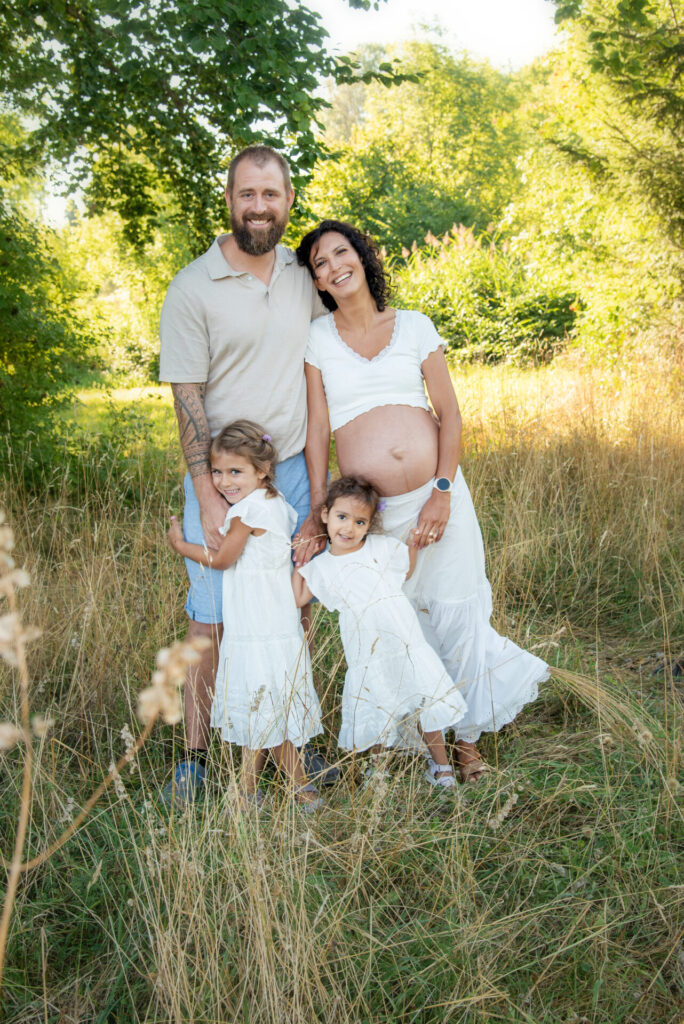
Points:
(547, 896)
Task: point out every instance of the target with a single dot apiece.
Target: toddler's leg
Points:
(440, 772)
(289, 761)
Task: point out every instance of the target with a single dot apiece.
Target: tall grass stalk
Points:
(548, 895)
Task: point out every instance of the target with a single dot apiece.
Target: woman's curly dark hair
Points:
(368, 252)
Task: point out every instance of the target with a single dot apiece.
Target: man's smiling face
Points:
(259, 206)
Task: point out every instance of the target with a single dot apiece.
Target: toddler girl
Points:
(264, 698)
(393, 676)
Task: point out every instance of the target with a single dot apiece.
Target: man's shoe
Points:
(186, 785)
(317, 768)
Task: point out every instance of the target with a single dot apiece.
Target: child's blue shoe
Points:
(317, 769)
(186, 785)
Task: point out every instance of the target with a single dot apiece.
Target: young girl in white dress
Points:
(264, 698)
(394, 678)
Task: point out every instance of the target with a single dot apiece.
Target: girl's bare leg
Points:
(253, 762)
(290, 763)
(434, 741)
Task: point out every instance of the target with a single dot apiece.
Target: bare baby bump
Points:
(394, 447)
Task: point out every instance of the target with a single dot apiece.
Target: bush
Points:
(483, 301)
(42, 345)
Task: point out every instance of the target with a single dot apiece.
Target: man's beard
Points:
(261, 243)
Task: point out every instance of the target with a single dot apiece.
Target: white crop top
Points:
(354, 385)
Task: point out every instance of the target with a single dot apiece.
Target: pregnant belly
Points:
(393, 447)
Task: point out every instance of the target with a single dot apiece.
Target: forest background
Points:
(538, 217)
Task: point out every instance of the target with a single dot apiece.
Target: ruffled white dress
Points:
(452, 596)
(264, 687)
(394, 679)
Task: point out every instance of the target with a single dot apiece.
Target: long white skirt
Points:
(452, 596)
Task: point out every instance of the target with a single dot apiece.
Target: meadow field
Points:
(549, 894)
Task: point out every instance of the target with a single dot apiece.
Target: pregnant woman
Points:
(368, 367)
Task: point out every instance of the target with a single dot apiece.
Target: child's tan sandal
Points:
(471, 767)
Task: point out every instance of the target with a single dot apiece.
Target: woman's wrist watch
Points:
(443, 484)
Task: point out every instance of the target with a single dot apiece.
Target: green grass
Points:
(548, 895)
(136, 413)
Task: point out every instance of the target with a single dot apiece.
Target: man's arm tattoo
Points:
(193, 427)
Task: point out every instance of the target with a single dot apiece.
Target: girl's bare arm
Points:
(413, 558)
(300, 589)
(230, 550)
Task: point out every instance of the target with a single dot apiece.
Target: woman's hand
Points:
(175, 534)
(434, 515)
(310, 540)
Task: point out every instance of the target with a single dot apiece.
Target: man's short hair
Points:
(260, 155)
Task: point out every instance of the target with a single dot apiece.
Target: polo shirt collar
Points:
(219, 267)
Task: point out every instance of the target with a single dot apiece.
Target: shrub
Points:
(482, 299)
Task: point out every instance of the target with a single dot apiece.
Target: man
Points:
(234, 328)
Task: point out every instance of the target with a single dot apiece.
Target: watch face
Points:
(443, 484)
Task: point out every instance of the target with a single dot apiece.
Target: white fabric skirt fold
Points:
(452, 596)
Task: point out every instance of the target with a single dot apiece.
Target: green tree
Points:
(150, 97)
(438, 149)
(42, 345)
(629, 57)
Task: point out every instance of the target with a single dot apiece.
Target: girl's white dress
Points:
(264, 688)
(394, 678)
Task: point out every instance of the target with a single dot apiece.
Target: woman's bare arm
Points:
(311, 537)
(434, 514)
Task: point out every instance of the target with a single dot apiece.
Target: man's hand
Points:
(213, 508)
(310, 540)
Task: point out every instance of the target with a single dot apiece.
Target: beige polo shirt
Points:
(245, 340)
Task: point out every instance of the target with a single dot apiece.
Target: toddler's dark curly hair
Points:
(354, 487)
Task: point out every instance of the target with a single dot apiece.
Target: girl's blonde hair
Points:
(243, 437)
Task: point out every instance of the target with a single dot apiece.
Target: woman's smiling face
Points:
(336, 265)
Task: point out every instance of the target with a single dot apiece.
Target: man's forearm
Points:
(193, 426)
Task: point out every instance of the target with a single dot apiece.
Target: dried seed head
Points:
(68, 811)
(10, 735)
(119, 787)
(163, 696)
(12, 634)
(497, 820)
(6, 538)
(13, 580)
(41, 726)
(643, 736)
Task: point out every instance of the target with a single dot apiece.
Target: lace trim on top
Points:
(357, 355)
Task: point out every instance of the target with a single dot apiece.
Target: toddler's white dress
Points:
(394, 678)
(264, 687)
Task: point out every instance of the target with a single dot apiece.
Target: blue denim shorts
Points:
(204, 596)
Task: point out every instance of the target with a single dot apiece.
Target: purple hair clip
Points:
(265, 437)
(382, 505)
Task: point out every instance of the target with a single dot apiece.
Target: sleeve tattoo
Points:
(193, 428)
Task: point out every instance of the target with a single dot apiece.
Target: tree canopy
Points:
(439, 148)
(148, 98)
(630, 55)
